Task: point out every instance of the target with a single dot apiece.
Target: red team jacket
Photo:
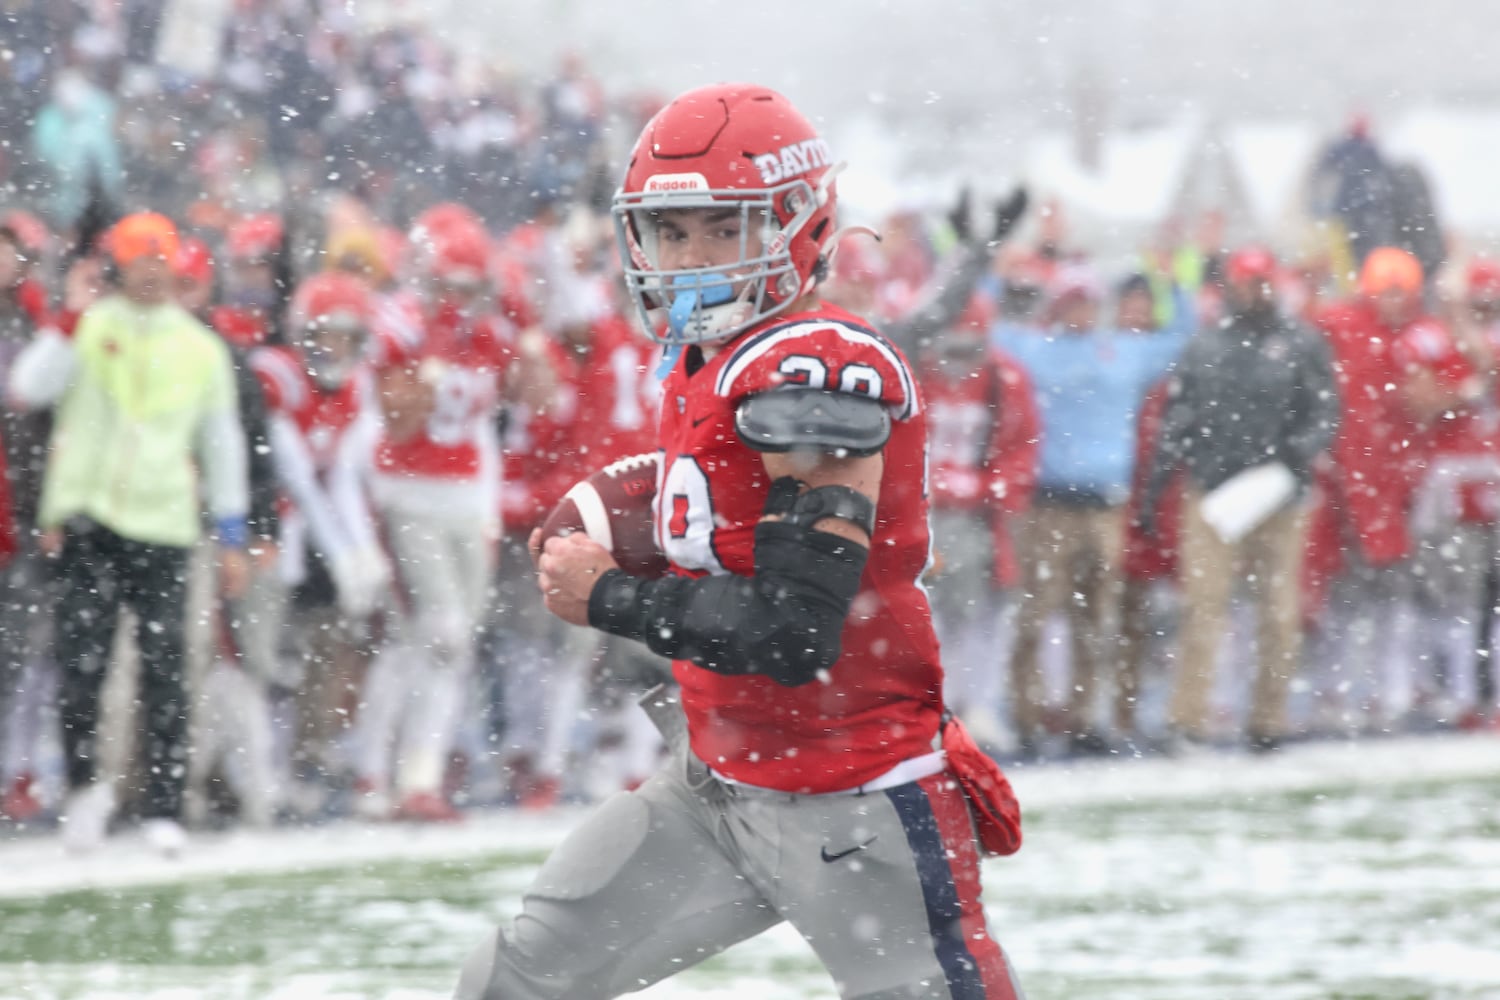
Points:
(882, 699)
(1152, 556)
(1371, 485)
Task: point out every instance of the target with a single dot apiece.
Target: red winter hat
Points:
(1074, 281)
(254, 237)
(1250, 264)
(1484, 279)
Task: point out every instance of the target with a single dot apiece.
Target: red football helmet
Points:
(194, 262)
(730, 144)
(459, 258)
(446, 217)
(329, 321)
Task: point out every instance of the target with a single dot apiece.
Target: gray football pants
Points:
(884, 886)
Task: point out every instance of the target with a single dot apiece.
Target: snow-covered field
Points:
(1330, 870)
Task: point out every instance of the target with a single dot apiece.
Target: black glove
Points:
(958, 217)
(1007, 213)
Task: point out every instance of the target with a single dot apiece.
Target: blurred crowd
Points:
(295, 359)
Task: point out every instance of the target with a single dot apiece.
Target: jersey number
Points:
(685, 516)
(853, 378)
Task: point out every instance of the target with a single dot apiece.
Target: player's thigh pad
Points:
(641, 890)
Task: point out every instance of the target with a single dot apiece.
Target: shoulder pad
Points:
(797, 419)
(820, 353)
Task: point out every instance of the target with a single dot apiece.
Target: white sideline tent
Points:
(1255, 172)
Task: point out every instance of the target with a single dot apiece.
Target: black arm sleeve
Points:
(785, 622)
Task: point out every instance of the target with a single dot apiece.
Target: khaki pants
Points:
(1270, 559)
(1071, 562)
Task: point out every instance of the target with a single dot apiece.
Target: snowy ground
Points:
(1330, 870)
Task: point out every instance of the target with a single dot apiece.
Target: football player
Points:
(442, 357)
(814, 780)
(323, 428)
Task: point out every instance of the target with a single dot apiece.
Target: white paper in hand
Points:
(1242, 503)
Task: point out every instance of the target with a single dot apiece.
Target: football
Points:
(613, 507)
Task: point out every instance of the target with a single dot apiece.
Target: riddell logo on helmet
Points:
(793, 160)
(661, 183)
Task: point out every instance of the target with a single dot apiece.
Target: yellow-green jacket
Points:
(147, 399)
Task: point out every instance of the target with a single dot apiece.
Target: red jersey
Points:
(323, 441)
(881, 701)
(243, 327)
(321, 416)
(984, 432)
(465, 358)
(538, 450)
(619, 395)
(1457, 449)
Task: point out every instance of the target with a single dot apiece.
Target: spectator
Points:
(1359, 542)
(983, 434)
(1149, 562)
(119, 507)
(1149, 567)
(323, 425)
(1450, 373)
(74, 138)
(1090, 382)
(1254, 395)
(1352, 185)
(24, 674)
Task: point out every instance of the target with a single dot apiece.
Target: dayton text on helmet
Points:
(793, 160)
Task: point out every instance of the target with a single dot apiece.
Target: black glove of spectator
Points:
(1007, 213)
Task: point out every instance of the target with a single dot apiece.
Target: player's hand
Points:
(265, 553)
(50, 542)
(234, 572)
(83, 284)
(571, 566)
